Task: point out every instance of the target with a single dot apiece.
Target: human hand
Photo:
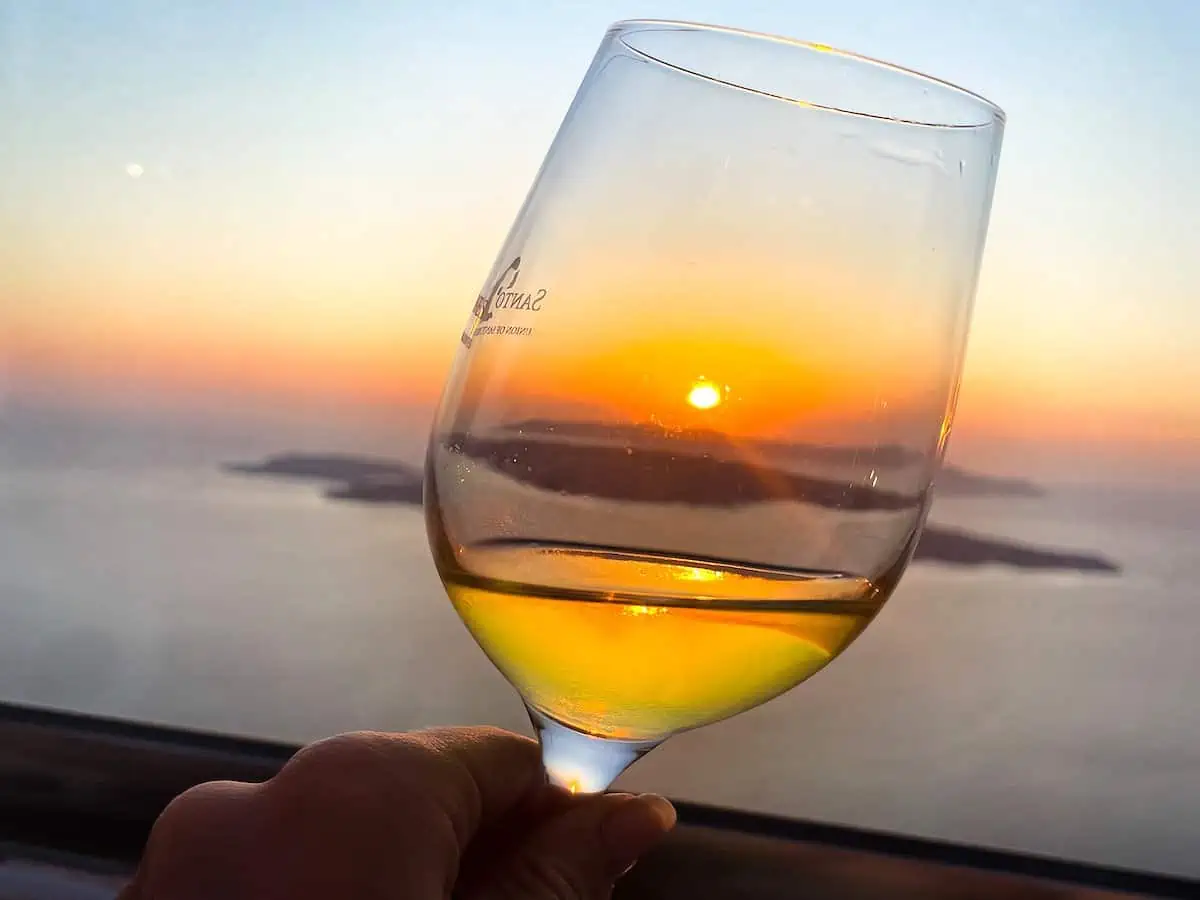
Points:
(449, 812)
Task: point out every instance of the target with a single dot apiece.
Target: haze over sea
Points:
(1047, 711)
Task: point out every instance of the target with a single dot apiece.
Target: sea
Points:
(1050, 712)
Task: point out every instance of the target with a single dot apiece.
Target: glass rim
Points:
(994, 115)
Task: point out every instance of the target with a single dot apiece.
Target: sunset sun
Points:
(704, 395)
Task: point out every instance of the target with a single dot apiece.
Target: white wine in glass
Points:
(685, 451)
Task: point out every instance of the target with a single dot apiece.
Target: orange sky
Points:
(293, 243)
(369, 366)
(1023, 393)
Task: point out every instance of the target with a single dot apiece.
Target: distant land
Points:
(951, 480)
(359, 478)
(382, 481)
(682, 474)
(701, 441)
(945, 545)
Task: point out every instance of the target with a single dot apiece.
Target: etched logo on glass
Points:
(505, 294)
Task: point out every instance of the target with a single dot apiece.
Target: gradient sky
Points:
(298, 199)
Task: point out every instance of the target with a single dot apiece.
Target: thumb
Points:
(578, 854)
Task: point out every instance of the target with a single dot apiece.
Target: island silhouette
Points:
(692, 472)
(951, 480)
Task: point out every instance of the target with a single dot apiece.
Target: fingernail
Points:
(634, 827)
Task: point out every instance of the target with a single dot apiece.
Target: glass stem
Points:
(579, 762)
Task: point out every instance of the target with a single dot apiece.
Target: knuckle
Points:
(360, 793)
(352, 747)
(361, 776)
(350, 762)
(487, 733)
(203, 804)
(197, 843)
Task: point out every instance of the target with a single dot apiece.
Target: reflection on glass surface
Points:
(235, 234)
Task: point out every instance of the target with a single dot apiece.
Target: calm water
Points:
(1050, 712)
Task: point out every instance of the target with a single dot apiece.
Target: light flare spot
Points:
(704, 395)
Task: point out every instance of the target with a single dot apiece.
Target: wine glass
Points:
(685, 451)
